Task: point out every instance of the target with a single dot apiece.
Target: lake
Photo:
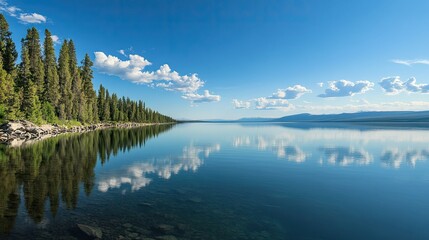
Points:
(220, 181)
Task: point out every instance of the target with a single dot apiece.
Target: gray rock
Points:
(90, 231)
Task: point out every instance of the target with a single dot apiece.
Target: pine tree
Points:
(7, 90)
(114, 112)
(31, 106)
(88, 88)
(7, 46)
(32, 43)
(106, 112)
(52, 87)
(101, 102)
(65, 103)
(79, 103)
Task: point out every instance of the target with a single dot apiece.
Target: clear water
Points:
(220, 181)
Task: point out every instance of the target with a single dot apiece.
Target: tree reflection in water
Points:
(53, 169)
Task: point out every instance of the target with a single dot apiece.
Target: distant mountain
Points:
(388, 116)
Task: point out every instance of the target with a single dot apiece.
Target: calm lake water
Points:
(220, 181)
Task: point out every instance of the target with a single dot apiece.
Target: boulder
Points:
(90, 231)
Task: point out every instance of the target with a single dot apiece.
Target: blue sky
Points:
(230, 59)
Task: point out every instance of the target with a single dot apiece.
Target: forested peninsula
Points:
(44, 89)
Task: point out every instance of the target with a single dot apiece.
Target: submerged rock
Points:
(166, 237)
(165, 228)
(91, 231)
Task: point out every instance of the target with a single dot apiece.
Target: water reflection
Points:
(342, 147)
(345, 156)
(52, 170)
(395, 157)
(281, 145)
(136, 175)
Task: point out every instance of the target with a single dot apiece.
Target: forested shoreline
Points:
(45, 89)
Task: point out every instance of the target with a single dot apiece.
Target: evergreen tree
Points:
(88, 89)
(114, 111)
(65, 80)
(101, 102)
(32, 43)
(78, 97)
(7, 91)
(106, 112)
(7, 46)
(52, 87)
(31, 106)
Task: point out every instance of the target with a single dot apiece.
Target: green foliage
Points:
(48, 113)
(7, 46)
(37, 72)
(52, 85)
(41, 89)
(2, 113)
(66, 100)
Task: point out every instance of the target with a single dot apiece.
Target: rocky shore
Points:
(17, 133)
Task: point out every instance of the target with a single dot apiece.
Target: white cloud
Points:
(55, 39)
(412, 86)
(32, 18)
(344, 88)
(293, 92)
(134, 70)
(241, 104)
(197, 98)
(17, 13)
(394, 85)
(122, 52)
(320, 84)
(411, 62)
(263, 103)
(277, 100)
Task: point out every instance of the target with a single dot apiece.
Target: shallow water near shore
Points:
(219, 181)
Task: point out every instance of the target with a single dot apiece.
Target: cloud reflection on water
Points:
(345, 156)
(395, 157)
(191, 159)
(342, 147)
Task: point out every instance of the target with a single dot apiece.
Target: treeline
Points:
(44, 89)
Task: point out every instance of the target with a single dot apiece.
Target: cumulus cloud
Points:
(241, 104)
(277, 100)
(133, 70)
(197, 98)
(320, 84)
(412, 86)
(32, 18)
(263, 103)
(293, 92)
(17, 13)
(345, 88)
(55, 39)
(394, 85)
(411, 62)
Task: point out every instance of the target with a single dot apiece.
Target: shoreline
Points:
(23, 132)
